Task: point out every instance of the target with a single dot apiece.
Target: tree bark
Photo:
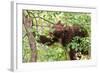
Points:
(27, 21)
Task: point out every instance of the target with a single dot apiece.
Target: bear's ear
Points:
(58, 25)
(59, 22)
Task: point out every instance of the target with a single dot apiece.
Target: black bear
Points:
(65, 34)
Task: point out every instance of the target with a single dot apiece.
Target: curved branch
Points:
(42, 18)
(45, 20)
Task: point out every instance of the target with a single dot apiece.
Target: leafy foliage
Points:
(52, 53)
(80, 44)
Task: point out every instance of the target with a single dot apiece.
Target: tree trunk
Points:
(27, 21)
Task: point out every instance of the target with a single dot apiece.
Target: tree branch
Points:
(42, 18)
